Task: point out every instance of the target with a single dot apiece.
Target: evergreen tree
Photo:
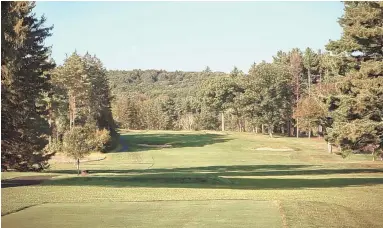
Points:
(207, 70)
(24, 75)
(169, 109)
(357, 109)
(311, 64)
(235, 72)
(99, 94)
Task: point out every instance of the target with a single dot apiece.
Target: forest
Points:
(77, 107)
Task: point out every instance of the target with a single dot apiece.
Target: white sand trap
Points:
(155, 146)
(274, 149)
(216, 132)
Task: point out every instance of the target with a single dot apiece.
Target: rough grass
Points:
(206, 180)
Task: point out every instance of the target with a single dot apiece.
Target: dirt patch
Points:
(274, 149)
(155, 146)
(25, 181)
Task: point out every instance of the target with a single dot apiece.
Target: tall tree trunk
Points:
(309, 80)
(50, 140)
(223, 121)
(74, 110)
(270, 128)
(263, 129)
(244, 126)
(329, 147)
(289, 127)
(50, 123)
(70, 111)
(256, 129)
(78, 166)
(297, 129)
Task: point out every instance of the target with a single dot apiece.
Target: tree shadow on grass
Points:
(209, 181)
(130, 142)
(240, 169)
(236, 170)
(223, 177)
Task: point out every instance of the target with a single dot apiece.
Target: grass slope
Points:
(206, 179)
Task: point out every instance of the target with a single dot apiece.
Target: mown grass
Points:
(306, 187)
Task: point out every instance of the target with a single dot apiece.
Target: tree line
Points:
(76, 107)
(336, 93)
(47, 108)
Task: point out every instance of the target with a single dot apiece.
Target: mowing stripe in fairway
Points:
(213, 213)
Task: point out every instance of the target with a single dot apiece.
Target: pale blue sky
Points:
(188, 35)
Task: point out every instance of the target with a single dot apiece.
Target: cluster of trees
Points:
(79, 114)
(45, 108)
(337, 94)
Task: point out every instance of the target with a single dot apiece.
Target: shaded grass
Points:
(212, 181)
(10, 175)
(177, 140)
(244, 170)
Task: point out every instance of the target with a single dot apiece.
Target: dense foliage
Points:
(25, 67)
(357, 108)
(84, 102)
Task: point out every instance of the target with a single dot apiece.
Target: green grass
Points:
(225, 213)
(206, 180)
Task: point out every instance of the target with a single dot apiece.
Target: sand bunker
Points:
(216, 132)
(274, 149)
(155, 146)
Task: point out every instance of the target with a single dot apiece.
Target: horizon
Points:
(187, 36)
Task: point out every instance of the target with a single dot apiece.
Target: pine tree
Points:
(24, 75)
(74, 77)
(207, 70)
(168, 107)
(311, 64)
(99, 94)
(235, 72)
(357, 109)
